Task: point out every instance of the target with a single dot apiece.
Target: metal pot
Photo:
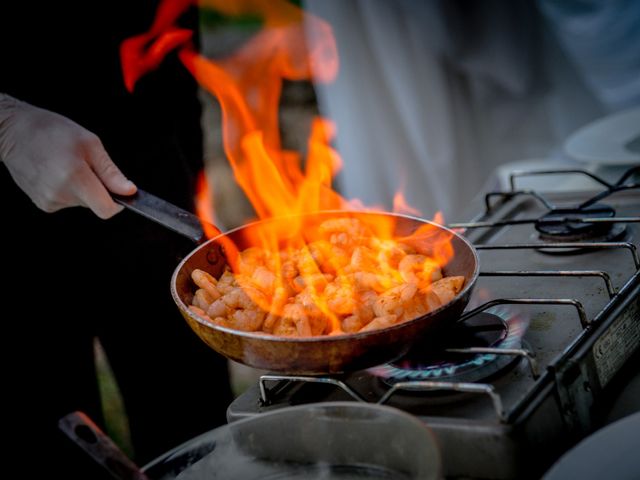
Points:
(303, 355)
(338, 440)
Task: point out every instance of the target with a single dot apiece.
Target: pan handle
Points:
(166, 214)
(86, 434)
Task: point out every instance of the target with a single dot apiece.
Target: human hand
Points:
(56, 162)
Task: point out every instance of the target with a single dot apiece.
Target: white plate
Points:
(611, 452)
(612, 140)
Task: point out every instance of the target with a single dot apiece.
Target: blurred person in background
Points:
(70, 136)
(433, 96)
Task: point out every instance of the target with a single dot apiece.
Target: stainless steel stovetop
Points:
(570, 307)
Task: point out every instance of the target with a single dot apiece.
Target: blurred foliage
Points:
(210, 18)
(115, 416)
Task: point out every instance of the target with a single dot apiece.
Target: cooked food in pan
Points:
(346, 281)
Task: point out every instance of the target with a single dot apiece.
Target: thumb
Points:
(107, 171)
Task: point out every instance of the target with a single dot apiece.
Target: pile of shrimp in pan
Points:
(345, 282)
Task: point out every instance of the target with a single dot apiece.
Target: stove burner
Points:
(499, 327)
(557, 225)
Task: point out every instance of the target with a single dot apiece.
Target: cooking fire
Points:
(298, 277)
(339, 301)
(344, 278)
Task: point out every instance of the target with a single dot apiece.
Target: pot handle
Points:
(86, 434)
(166, 214)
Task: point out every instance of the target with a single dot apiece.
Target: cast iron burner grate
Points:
(454, 357)
(589, 220)
(571, 225)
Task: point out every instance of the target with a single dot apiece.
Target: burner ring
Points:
(463, 367)
(557, 224)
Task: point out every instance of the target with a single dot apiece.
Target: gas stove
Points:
(550, 335)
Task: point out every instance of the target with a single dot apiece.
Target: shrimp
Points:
(249, 297)
(216, 321)
(364, 308)
(317, 281)
(251, 258)
(380, 322)
(285, 327)
(295, 312)
(288, 270)
(340, 296)
(352, 324)
(343, 232)
(328, 258)
(317, 318)
(370, 281)
(218, 309)
(338, 260)
(443, 291)
(305, 263)
(293, 322)
(277, 303)
(226, 283)
(198, 311)
(394, 301)
(362, 313)
(263, 279)
(319, 323)
(419, 269)
(222, 322)
(362, 259)
(390, 253)
(205, 281)
(202, 299)
(320, 250)
(306, 299)
(415, 308)
(248, 320)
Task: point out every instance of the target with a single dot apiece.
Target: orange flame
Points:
(291, 45)
(204, 206)
(400, 205)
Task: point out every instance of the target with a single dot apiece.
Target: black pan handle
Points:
(86, 434)
(166, 214)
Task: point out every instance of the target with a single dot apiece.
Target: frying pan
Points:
(327, 354)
